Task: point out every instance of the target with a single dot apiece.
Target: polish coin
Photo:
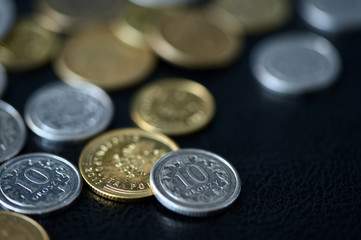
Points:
(296, 63)
(163, 3)
(332, 15)
(173, 107)
(3, 79)
(38, 183)
(194, 182)
(16, 226)
(7, 16)
(117, 164)
(61, 112)
(12, 132)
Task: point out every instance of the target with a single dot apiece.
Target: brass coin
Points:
(192, 40)
(117, 164)
(96, 56)
(28, 46)
(17, 226)
(173, 107)
(258, 16)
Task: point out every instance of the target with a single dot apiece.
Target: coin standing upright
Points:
(3, 80)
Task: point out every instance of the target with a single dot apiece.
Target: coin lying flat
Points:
(98, 57)
(7, 16)
(12, 132)
(17, 226)
(173, 107)
(61, 112)
(194, 182)
(3, 79)
(296, 63)
(332, 15)
(38, 183)
(117, 164)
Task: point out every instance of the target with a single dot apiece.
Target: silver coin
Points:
(194, 182)
(7, 16)
(61, 112)
(295, 63)
(332, 15)
(38, 183)
(12, 132)
(162, 3)
(3, 79)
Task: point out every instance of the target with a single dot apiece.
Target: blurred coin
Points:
(61, 112)
(7, 16)
(194, 182)
(173, 107)
(117, 164)
(71, 15)
(38, 183)
(96, 56)
(15, 226)
(191, 40)
(332, 15)
(296, 63)
(12, 132)
(27, 46)
(163, 3)
(258, 16)
(3, 79)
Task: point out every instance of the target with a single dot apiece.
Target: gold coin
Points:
(191, 40)
(173, 107)
(17, 226)
(96, 56)
(28, 46)
(258, 16)
(117, 164)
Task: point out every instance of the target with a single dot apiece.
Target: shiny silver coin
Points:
(38, 183)
(61, 112)
(194, 182)
(12, 132)
(7, 16)
(163, 3)
(332, 15)
(3, 79)
(295, 63)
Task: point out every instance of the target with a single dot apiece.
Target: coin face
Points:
(96, 56)
(173, 107)
(27, 46)
(194, 182)
(38, 183)
(7, 16)
(61, 112)
(117, 164)
(12, 132)
(3, 79)
(17, 226)
(295, 63)
(191, 40)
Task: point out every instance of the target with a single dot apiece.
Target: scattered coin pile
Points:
(110, 45)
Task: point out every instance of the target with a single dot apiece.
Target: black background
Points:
(298, 158)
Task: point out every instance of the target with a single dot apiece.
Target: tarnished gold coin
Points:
(173, 107)
(117, 164)
(97, 56)
(258, 16)
(192, 40)
(27, 47)
(17, 226)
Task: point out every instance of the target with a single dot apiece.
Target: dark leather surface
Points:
(299, 158)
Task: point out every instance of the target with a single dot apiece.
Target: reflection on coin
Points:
(258, 16)
(163, 3)
(12, 132)
(117, 164)
(98, 57)
(296, 63)
(27, 46)
(191, 40)
(38, 183)
(332, 15)
(173, 107)
(7, 16)
(61, 112)
(15, 226)
(194, 182)
(3, 79)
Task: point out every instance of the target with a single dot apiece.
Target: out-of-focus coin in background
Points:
(7, 16)
(163, 3)
(3, 79)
